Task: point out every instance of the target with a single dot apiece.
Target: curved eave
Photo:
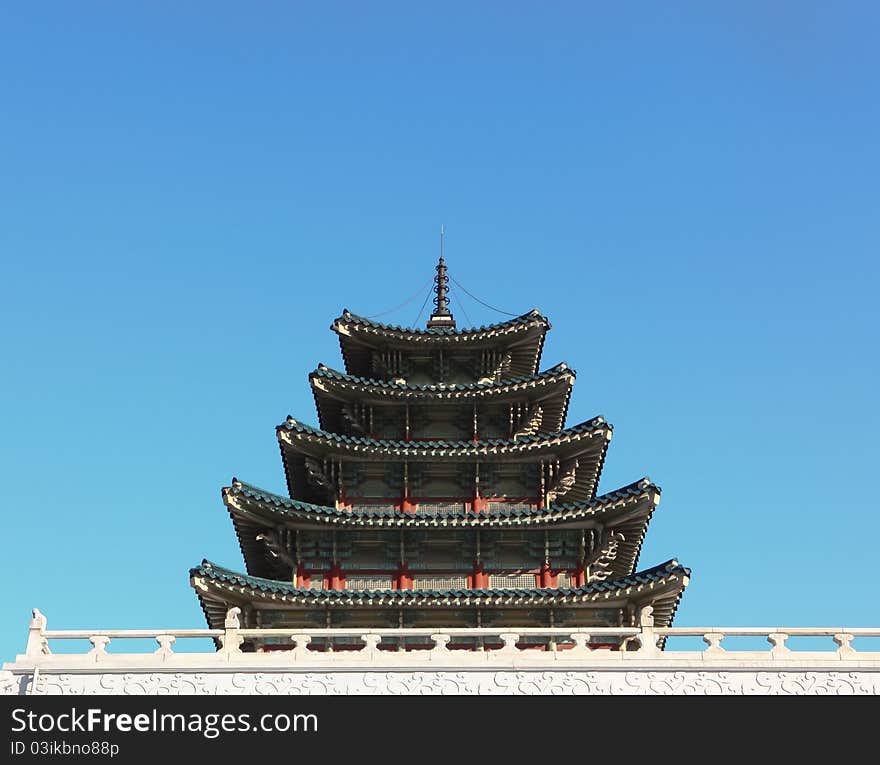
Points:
(587, 442)
(358, 335)
(351, 322)
(322, 443)
(331, 389)
(627, 511)
(661, 586)
(636, 500)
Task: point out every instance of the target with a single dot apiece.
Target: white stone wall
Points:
(571, 663)
(525, 682)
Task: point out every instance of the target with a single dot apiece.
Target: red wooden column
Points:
(335, 577)
(580, 573)
(478, 504)
(403, 579)
(406, 503)
(545, 578)
(479, 579)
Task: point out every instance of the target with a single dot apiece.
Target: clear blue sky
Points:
(190, 193)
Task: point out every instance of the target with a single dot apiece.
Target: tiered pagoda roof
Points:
(522, 337)
(627, 510)
(662, 586)
(442, 488)
(332, 390)
(586, 442)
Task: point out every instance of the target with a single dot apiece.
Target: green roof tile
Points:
(285, 505)
(532, 317)
(597, 423)
(656, 574)
(557, 371)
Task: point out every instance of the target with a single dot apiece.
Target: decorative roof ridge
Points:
(595, 424)
(558, 370)
(637, 488)
(647, 576)
(531, 317)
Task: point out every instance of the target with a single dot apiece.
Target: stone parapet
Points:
(423, 661)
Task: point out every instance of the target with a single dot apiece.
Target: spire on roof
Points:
(441, 317)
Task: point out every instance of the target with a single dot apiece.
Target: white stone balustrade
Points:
(562, 657)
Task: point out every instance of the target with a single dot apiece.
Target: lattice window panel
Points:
(564, 580)
(439, 508)
(368, 582)
(511, 581)
(316, 583)
(451, 582)
(496, 506)
(366, 507)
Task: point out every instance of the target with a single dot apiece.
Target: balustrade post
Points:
(647, 637)
(99, 645)
(440, 641)
(843, 640)
(301, 645)
(777, 641)
(581, 642)
(509, 639)
(372, 643)
(37, 644)
(165, 642)
(231, 640)
(713, 641)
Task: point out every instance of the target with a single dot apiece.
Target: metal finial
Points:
(441, 317)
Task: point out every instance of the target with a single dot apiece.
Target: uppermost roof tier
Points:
(517, 342)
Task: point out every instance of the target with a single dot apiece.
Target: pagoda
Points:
(441, 490)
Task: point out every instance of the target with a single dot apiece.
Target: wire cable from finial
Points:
(404, 303)
(424, 302)
(474, 297)
(463, 309)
